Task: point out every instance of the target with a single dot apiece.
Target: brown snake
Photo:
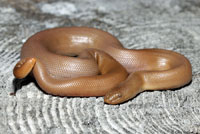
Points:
(81, 61)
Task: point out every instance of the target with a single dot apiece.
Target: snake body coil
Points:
(80, 61)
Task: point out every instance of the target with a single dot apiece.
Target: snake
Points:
(89, 62)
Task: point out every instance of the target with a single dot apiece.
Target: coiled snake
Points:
(81, 61)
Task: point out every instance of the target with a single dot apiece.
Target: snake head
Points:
(125, 90)
(118, 95)
(113, 98)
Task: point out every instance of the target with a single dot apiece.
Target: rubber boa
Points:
(82, 61)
